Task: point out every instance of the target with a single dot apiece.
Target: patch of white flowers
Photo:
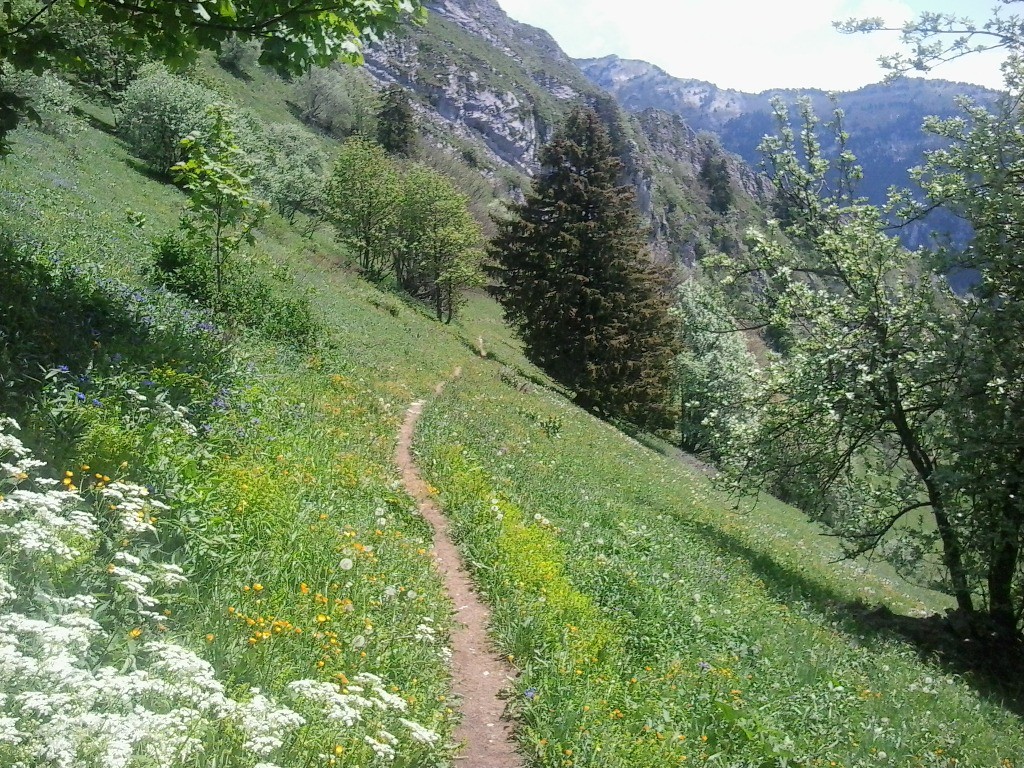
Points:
(65, 704)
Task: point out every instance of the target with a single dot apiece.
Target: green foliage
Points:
(986, 418)
(412, 225)
(157, 111)
(892, 398)
(574, 281)
(438, 249)
(713, 372)
(291, 171)
(184, 266)
(396, 123)
(101, 66)
(238, 56)
(714, 172)
(362, 200)
(51, 99)
(292, 38)
(338, 100)
(221, 209)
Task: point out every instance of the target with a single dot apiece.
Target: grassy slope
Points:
(654, 624)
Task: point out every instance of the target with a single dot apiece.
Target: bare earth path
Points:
(478, 675)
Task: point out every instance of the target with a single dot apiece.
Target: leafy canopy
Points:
(896, 398)
(293, 34)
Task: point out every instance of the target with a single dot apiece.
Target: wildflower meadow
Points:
(207, 557)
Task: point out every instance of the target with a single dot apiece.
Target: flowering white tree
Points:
(896, 396)
(714, 371)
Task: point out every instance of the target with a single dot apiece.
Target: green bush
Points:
(338, 101)
(291, 320)
(252, 301)
(52, 98)
(238, 56)
(184, 266)
(291, 170)
(158, 111)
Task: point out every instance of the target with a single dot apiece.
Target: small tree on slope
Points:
(575, 282)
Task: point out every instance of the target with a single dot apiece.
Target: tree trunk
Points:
(952, 553)
(1003, 565)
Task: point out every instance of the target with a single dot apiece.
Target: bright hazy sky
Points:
(749, 45)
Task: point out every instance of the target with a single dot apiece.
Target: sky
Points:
(749, 45)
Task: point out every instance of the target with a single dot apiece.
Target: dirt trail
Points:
(479, 676)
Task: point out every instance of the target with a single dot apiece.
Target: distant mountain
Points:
(491, 91)
(883, 120)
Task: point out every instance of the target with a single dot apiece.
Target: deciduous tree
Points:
(222, 210)
(294, 35)
(898, 398)
(363, 196)
(438, 247)
(714, 371)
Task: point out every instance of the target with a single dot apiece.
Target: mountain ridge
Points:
(489, 86)
(883, 120)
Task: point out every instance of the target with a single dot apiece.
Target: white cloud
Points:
(749, 45)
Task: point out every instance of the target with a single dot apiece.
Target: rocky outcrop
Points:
(493, 87)
(493, 90)
(671, 137)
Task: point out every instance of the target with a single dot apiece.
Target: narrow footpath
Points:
(479, 677)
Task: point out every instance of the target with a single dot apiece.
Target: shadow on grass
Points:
(968, 646)
(145, 169)
(964, 645)
(236, 72)
(958, 644)
(58, 316)
(98, 122)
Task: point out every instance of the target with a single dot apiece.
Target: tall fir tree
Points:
(573, 276)
(396, 123)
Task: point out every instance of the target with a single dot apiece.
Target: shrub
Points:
(238, 56)
(184, 266)
(52, 98)
(158, 111)
(338, 101)
(252, 301)
(291, 170)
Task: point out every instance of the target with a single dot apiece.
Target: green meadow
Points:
(652, 620)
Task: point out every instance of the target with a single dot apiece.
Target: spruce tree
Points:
(574, 279)
(396, 123)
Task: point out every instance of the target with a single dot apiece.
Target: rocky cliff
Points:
(883, 120)
(495, 89)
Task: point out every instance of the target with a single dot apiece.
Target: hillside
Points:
(883, 120)
(650, 621)
(491, 90)
(260, 507)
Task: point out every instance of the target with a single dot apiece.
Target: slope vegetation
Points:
(652, 622)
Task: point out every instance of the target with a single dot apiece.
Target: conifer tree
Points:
(575, 281)
(396, 123)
